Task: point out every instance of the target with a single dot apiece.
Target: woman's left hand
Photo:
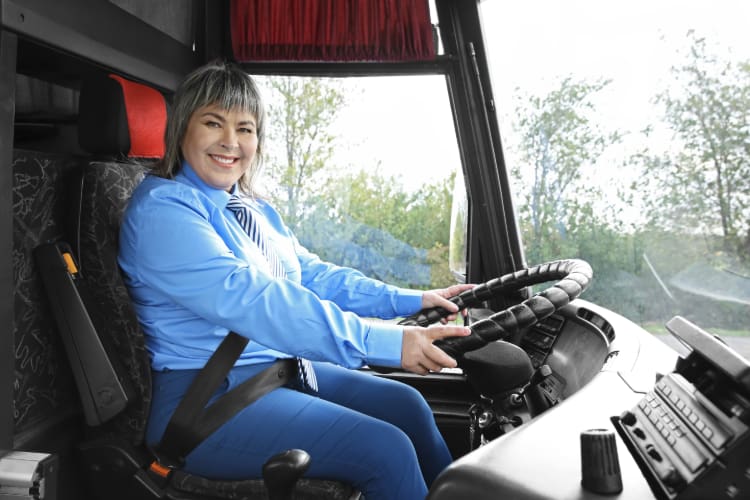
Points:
(439, 298)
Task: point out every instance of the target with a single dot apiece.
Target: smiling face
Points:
(220, 144)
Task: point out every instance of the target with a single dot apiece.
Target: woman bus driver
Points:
(194, 275)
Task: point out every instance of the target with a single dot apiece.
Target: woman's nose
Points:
(229, 140)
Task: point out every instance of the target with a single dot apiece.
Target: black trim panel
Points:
(8, 44)
(123, 42)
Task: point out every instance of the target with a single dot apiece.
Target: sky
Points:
(401, 126)
(633, 43)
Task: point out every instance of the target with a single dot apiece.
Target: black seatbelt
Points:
(192, 421)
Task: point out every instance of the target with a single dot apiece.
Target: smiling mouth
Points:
(224, 160)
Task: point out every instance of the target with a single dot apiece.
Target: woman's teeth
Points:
(222, 159)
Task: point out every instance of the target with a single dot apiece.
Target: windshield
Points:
(363, 168)
(626, 130)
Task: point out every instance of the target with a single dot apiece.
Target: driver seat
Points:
(121, 123)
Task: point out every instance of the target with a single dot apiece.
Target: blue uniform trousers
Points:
(377, 434)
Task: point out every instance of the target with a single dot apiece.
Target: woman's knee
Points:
(393, 465)
(386, 441)
(407, 402)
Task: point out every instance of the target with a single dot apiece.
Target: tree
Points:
(704, 187)
(421, 217)
(299, 116)
(558, 139)
(374, 224)
(564, 214)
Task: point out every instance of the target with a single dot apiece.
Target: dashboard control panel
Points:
(689, 434)
(541, 337)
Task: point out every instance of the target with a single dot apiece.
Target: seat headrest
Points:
(119, 117)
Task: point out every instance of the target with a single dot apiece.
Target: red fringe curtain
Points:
(331, 30)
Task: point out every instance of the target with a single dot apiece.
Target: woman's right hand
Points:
(419, 354)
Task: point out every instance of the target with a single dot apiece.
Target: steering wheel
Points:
(574, 276)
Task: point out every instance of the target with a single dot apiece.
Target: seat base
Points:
(117, 470)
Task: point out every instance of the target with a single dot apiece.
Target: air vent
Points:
(598, 322)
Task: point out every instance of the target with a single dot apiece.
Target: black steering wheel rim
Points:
(573, 275)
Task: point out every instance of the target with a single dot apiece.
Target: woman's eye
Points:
(247, 130)
(212, 124)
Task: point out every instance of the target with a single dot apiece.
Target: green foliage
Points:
(705, 184)
(420, 218)
(299, 116)
(558, 138)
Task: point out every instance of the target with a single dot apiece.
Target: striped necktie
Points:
(251, 227)
(245, 217)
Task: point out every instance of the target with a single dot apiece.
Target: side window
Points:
(363, 171)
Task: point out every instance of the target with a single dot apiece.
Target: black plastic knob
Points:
(600, 466)
(628, 418)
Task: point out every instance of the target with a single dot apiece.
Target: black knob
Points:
(600, 466)
(673, 479)
(628, 418)
(281, 472)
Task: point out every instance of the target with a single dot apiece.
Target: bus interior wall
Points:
(39, 82)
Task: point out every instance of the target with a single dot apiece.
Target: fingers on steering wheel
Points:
(457, 289)
(448, 331)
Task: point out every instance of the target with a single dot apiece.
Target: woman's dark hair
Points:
(223, 84)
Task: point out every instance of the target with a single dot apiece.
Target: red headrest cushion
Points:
(147, 118)
(121, 117)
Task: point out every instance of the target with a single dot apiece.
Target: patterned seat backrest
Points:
(114, 116)
(43, 386)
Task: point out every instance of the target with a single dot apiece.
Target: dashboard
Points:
(601, 364)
